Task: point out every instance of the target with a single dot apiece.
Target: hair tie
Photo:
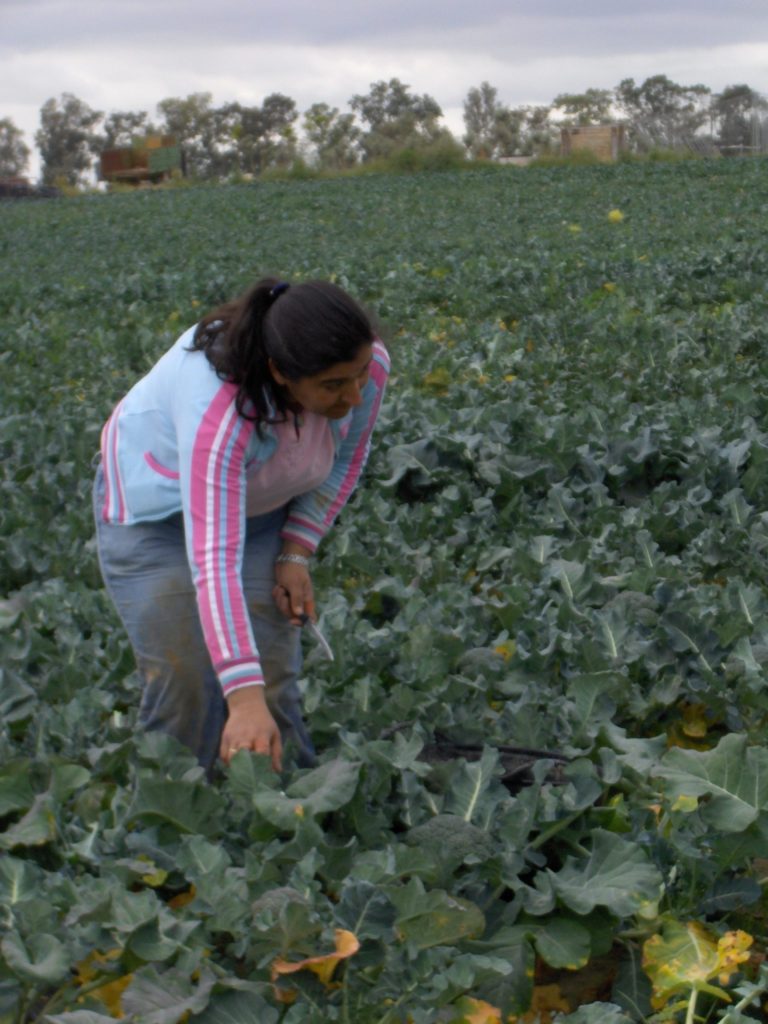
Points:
(278, 289)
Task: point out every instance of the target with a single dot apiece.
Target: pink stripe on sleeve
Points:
(379, 375)
(114, 500)
(217, 515)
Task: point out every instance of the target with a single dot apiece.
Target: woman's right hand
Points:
(250, 726)
(292, 593)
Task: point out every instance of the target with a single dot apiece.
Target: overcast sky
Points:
(130, 54)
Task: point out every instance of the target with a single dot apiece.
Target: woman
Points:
(220, 472)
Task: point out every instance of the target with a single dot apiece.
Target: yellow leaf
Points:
(609, 286)
(111, 995)
(685, 804)
(687, 956)
(476, 1011)
(94, 964)
(437, 380)
(695, 720)
(156, 879)
(506, 649)
(182, 898)
(509, 377)
(347, 944)
(732, 949)
(547, 1000)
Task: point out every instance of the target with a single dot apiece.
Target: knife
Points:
(325, 646)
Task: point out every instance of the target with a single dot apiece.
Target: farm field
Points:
(560, 544)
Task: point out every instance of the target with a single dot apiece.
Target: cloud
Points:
(130, 54)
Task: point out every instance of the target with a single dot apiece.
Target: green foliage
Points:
(559, 544)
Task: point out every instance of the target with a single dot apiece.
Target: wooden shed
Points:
(606, 141)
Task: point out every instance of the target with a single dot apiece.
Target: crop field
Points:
(560, 545)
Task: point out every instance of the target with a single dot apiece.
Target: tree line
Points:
(235, 139)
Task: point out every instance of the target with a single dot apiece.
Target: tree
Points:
(14, 152)
(264, 136)
(662, 113)
(537, 131)
(123, 126)
(494, 131)
(397, 119)
(733, 113)
(193, 123)
(590, 107)
(334, 137)
(491, 129)
(67, 139)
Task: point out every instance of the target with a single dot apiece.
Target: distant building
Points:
(606, 141)
(151, 159)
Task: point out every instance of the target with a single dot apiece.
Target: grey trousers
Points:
(147, 575)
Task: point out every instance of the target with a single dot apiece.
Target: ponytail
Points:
(304, 329)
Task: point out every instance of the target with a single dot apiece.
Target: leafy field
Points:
(561, 544)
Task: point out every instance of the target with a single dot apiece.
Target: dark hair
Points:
(303, 328)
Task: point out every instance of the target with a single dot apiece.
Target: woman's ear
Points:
(276, 375)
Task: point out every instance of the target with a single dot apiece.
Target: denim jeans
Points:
(147, 575)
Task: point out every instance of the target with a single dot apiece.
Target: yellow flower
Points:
(609, 286)
(574, 228)
(615, 216)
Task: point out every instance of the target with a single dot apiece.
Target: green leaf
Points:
(199, 858)
(365, 910)
(729, 894)
(78, 1017)
(733, 776)
(66, 779)
(596, 1013)
(323, 789)
(16, 792)
(561, 941)
(471, 783)
(616, 875)
(19, 880)
(36, 828)
(42, 959)
(510, 993)
(17, 699)
(165, 998)
(632, 987)
(189, 806)
(435, 918)
(237, 1008)
(156, 941)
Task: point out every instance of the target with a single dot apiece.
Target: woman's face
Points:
(333, 392)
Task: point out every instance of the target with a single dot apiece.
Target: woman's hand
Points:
(293, 593)
(250, 726)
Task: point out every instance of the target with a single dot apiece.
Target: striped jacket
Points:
(176, 443)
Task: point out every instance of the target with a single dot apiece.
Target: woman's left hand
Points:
(250, 726)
